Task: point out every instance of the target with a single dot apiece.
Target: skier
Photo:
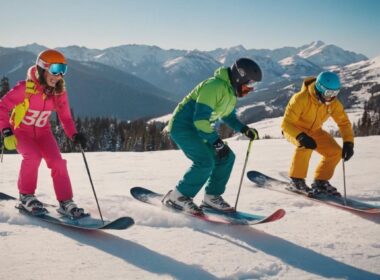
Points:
(191, 129)
(28, 131)
(305, 114)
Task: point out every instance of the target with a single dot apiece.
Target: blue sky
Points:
(192, 24)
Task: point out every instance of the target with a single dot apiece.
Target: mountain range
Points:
(134, 81)
(95, 89)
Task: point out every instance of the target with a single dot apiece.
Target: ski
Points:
(210, 214)
(264, 181)
(85, 223)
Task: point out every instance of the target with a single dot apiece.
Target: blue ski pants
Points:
(206, 168)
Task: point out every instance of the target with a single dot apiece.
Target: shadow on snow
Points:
(134, 254)
(290, 253)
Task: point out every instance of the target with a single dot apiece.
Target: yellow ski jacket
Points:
(305, 113)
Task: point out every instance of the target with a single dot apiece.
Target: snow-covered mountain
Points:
(297, 65)
(184, 72)
(33, 48)
(96, 89)
(361, 80)
(179, 71)
(325, 55)
(363, 71)
(166, 68)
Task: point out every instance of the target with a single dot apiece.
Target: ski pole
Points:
(2, 153)
(2, 149)
(92, 185)
(344, 183)
(242, 174)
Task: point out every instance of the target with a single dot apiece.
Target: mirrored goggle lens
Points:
(58, 69)
(331, 93)
(251, 84)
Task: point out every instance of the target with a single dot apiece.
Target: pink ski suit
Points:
(35, 139)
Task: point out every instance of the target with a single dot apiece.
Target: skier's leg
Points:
(301, 159)
(216, 184)
(202, 157)
(331, 155)
(29, 149)
(61, 180)
(300, 163)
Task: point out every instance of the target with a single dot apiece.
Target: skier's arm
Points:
(232, 121)
(14, 97)
(345, 127)
(64, 115)
(204, 106)
(292, 114)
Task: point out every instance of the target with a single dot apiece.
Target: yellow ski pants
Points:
(326, 146)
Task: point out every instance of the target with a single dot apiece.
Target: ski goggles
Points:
(249, 86)
(250, 83)
(328, 93)
(57, 69)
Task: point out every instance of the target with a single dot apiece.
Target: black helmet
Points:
(244, 70)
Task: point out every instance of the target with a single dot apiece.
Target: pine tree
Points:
(4, 84)
(369, 123)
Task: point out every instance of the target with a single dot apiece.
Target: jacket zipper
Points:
(316, 115)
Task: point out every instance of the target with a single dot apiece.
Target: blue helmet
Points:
(328, 84)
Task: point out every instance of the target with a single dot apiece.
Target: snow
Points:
(313, 49)
(312, 241)
(172, 62)
(15, 68)
(369, 70)
(295, 59)
(163, 119)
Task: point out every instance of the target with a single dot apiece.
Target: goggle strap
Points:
(42, 64)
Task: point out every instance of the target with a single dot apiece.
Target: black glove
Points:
(251, 133)
(347, 151)
(222, 149)
(306, 141)
(80, 139)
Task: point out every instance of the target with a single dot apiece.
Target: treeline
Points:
(4, 86)
(369, 124)
(110, 134)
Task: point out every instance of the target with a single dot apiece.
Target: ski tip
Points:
(127, 221)
(4, 196)
(119, 224)
(136, 191)
(257, 177)
(278, 214)
(252, 173)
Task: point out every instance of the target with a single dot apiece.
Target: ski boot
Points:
(216, 202)
(69, 209)
(31, 204)
(323, 187)
(299, 185)
(176, 200)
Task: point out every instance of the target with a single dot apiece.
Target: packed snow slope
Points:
(312, 241)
